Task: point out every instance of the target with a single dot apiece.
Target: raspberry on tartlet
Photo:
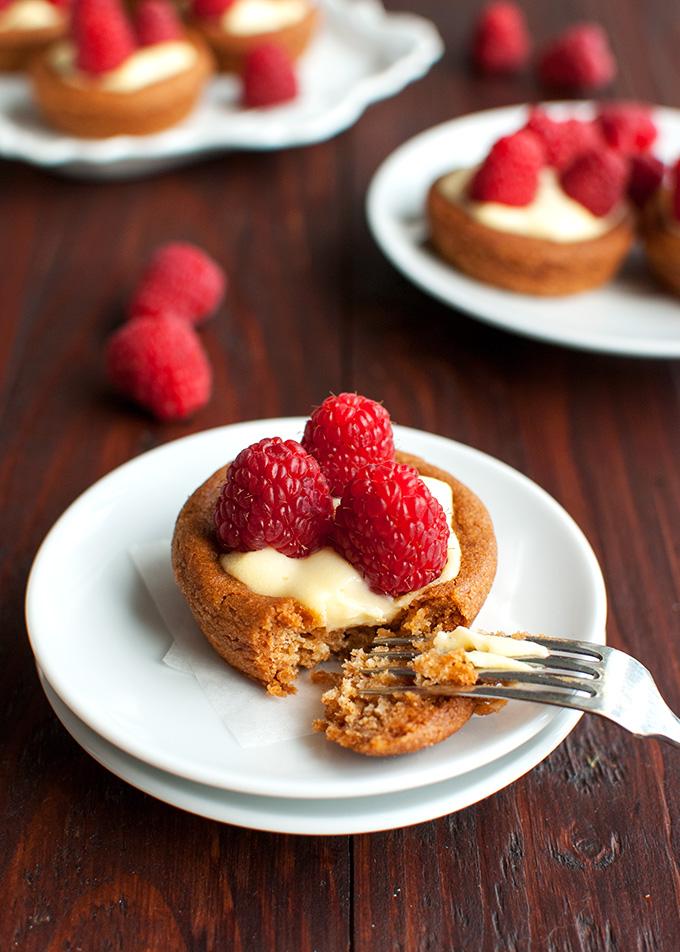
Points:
(346, 432)
(390, 527)
(274, 495)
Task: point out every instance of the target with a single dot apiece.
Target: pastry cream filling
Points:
(30, 15)
(146, 66)
(250, 17)
(491, 652)
(328, 585)
(552, 215)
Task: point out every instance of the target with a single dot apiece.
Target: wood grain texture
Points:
(582, 854)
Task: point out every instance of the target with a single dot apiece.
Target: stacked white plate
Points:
(99, 644)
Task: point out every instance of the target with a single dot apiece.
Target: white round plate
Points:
(361, 54)
(330, 817)
(631, 315)
(100, 642)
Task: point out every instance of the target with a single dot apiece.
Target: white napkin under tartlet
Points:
(252, 717)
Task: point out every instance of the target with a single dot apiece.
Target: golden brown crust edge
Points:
(662, 246)
(246, 629)
(519, 263)
(230, 51)
(91, 113)
(19, 47)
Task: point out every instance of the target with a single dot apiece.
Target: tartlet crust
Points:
(662, 246)
(519, 263)
(231, 50)
(91, 113)
(19, 47)
(270, 639)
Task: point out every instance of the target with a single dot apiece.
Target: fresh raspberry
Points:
(102, 35)
(580, 58)
(205, 9)
(628, 127)
(391, 528)
(62, 4)
(501, 40)
(509, 174)
(597, 179)
(159, 363)
(274, 495)
(646, 175)
(345, 433)
(157, 22)
(180, 279)
(564, 139)
(675, 194)
(268, 76)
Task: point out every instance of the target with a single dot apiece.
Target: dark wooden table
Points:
(579, 855)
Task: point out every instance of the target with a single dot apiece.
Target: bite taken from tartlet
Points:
(297, 551)
(27, 27)
(661, 231)
(115, 76)
(234, 28)
(545, 213)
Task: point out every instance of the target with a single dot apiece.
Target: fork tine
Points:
(500, 692)
(572, 647)
(538, 678)
(380, 642)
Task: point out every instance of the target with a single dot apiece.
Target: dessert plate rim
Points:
(404, 47)
(308, 817)
(97, 679)
(398, 228)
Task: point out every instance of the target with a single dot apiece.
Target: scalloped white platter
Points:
(631, 315)
(360, 55)
(100, 641)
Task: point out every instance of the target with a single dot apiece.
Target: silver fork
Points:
(576, 674)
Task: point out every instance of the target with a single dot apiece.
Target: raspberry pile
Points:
(579, 58)
(598, 161)
(388, 524)
(156, 359)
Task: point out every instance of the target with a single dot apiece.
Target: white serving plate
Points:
(100, 642)
(631, 315)
(313, 817)
(361, 54)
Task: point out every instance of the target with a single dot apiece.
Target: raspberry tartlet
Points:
(661, 231)
(294, 552)
(234, 28)
(27, 27)
(113, 77)
(545, 213)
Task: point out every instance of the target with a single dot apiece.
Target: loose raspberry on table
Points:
(628, 127)
(268, 76)
(509, 174)
(159, 362)
(580, 58)
(597, 179)
(180, 279)
(501, 41)
(210, 8)
(274, 495)
(102, 35)
(345, 433)
(157, 22)
(563, 139)
(646, 175)
(391, 528)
